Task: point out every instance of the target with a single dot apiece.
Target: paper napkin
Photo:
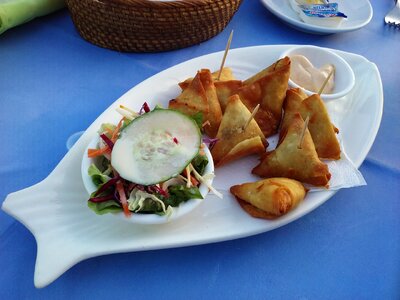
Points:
(16, 12)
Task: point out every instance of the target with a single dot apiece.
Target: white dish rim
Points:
(341, 65)
(315, 29)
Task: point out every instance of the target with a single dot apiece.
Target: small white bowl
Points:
(178, 211)
(344, 75)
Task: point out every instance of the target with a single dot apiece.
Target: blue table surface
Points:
(53, 83)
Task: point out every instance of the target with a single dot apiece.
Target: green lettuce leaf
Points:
(180, 193)
(102, 208)
(198, 118)
(98, 177)
(199, 163)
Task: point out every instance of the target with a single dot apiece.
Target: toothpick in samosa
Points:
(287, 160)
(323, 132)
(267, 88)
(234, 142)
(226, 75)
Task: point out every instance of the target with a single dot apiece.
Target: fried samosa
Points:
(225, 89)
(293, 159)
(269, 198)
(214, 115)
(267, 88)
(226, 75)
(201, 96)
(323, 132)
(192, 100)
(233, 140)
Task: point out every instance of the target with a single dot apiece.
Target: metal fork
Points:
(393, 17)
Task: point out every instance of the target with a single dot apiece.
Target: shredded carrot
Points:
(114, 136)
(97, 152)
(122, 197)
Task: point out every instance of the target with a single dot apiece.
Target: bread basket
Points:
(150, 26)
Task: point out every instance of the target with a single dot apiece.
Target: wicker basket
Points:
(150, 26)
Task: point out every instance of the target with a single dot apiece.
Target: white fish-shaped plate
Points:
(67, 231)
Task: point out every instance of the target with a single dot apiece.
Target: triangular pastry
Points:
(225, 89)
(290, 160)
(267, 88)
(233, 140)
(226, 75)
(323, 132)
(269, 198)
(214, 115)
(201, 96)
(192, 100)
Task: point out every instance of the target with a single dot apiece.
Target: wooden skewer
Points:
(303, 132)
(228, 44)
(255, 110)
(326, 81)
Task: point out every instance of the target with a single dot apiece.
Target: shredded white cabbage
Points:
(125, 114)
(188, 181)
(203, 180)
(137, 198)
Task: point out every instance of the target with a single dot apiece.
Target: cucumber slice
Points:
(156, 146)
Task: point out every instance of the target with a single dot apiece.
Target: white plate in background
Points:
(359, 13)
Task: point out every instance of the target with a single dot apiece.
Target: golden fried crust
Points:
(267, 88)
(244, 148)
(200, 95)
(194, 97)
(226, 75)
(281, 63)
(294, 98)
(182, 107)
(235, 141)
(288, 160)
(323, 132)
(269, 198)
(225, 89)
(214, 115)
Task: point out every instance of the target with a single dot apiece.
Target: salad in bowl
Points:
(150, 168)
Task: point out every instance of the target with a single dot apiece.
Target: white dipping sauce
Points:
(304, 74)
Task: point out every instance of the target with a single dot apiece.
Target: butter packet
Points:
(318, 12)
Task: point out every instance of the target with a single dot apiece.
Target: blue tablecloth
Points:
(53, 83)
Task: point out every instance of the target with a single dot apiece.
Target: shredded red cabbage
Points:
(210, 142)
(156, 189)
(102, 198)
(108, 184)
(106, 140)
(145, 108)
